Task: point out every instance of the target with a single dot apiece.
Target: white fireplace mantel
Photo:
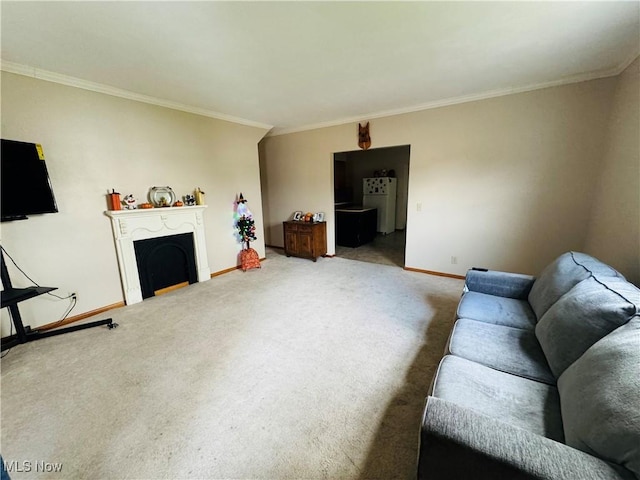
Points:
(131, 225)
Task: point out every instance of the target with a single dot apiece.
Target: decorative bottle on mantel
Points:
(114, 200)
(199, 196)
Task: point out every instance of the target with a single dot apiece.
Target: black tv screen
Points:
(26, 188)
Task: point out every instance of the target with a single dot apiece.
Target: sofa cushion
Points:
(588, 312)
(508, 349)
(501, 284)
(457, 443)
(534, 406)
(561, 275)
(498, 310)
(600, 398)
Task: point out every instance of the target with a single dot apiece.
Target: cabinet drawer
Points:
(304, 228)
(290, 227)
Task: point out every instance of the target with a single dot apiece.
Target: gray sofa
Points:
(540, 379)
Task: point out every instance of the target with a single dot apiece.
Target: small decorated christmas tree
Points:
(245, 223)
(247, 232)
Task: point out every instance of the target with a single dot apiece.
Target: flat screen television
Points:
(26, 187)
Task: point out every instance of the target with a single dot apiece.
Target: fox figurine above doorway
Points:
(364, 139)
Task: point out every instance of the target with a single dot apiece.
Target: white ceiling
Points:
(296, 65)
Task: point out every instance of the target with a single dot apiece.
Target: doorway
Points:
(354, 236)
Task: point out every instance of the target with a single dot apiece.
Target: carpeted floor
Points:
(296, 370)
(384, 249)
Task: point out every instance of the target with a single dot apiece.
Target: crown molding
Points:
(632, 58)
(46, 75)
(583, 77)
(49, 76)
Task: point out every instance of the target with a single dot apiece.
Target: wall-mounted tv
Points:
(26, 187)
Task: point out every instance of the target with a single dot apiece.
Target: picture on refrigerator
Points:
(380, 193)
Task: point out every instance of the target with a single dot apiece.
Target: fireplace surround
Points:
(129, 226)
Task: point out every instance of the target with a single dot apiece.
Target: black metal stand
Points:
(10, 299)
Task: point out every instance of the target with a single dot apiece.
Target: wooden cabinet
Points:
(307, 240)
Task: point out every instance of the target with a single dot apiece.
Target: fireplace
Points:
(178, 245)
(165, 262)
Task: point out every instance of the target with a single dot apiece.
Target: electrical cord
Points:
(72, 296)
(74, 301)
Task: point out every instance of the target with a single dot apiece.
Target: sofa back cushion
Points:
(588, 312)
(600, 398)
(562, 275)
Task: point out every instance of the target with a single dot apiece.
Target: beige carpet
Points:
(384, 249)
(296, 370)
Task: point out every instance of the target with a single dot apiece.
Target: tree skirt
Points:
(249, 259)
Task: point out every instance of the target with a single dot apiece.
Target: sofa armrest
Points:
(458, 443)
(501, 284)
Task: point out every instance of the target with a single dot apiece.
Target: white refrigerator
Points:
(380, 193)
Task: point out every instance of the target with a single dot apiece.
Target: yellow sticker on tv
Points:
(40, 152)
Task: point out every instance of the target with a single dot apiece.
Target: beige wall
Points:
(504, 183)
(614, 233)
(94, 142)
